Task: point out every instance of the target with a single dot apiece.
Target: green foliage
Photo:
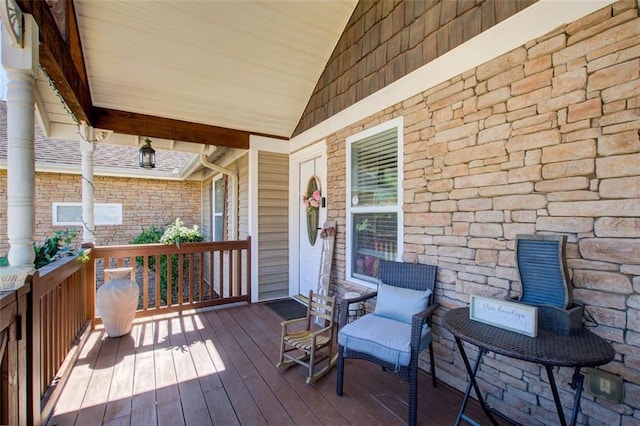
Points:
(56, 247)
(174, 233)
(177, 233)
(149, 236)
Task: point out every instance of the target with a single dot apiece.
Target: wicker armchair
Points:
(398, 330)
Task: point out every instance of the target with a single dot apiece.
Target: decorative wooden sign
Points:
(328, 236)
(516, 317)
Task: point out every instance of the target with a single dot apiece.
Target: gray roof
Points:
(117, 158)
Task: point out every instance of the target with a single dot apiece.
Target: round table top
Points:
(581, 349)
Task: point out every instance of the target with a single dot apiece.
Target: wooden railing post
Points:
(89, 283)
(33, 349)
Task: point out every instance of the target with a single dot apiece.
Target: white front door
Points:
(309, 255)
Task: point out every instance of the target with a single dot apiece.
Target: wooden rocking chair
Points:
(310, 345)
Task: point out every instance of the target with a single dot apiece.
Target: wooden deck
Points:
(218, 367)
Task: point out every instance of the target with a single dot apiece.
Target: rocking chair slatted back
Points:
(321, 307)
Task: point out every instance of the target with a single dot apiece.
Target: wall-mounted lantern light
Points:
(147, 155)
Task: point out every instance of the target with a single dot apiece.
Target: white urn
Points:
(117, 301)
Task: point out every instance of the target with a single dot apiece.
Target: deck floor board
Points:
(217, 366)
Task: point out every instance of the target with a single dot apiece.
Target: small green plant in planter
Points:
(56, 247)
(174, 233)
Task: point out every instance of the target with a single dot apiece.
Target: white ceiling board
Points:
(246, 65)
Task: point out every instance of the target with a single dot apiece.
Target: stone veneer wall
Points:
(544, 139)
(144, 201)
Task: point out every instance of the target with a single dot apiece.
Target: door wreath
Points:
(311, 200)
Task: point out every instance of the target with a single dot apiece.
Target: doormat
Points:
(288, 309)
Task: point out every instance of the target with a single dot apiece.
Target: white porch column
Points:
(21, 64)
(86, 148)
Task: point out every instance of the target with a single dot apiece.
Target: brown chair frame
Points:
(304, 343)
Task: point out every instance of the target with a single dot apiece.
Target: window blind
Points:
(374, 179)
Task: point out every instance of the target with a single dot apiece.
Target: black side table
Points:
(582, 349)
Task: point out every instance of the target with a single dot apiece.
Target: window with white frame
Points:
(71, 214)
(374, 199)
(218, 209)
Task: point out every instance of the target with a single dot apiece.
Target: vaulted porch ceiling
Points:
(202, 71)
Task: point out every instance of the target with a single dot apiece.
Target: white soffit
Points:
(245, 65)
(533, 22)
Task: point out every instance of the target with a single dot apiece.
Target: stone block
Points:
(489, 216)
(617, 227)
(617, 166)
(568, 168)
(531, 83)
(616, 250)
(501, 63)
(427, 219)
(444, 206)
(446, 172)
(510, 189)
(533, 141)
(456, 252)
(563, 184)
(493, 97)
(589, 21)
(495, 120)
(596, 42)
(460, 228)
(600, 298)
(569, 151)
(520, 202)
(622, 208)
(622, 127)
(441, 185)
(525, 174)
(513, 229)
(560, 102)
(620, 188)
(572, 196)
(528, 99)
(589, 109)
(569, 81)
(535, 120)
(523, 216)
(578, 135)
(495, 133)
(613, 75)
(457, 133)
(506, 78)
(565, 224)
(475, 204)
(472, 153)
(548, 46)
(465, 193)
(620, 117)
(621, 91)
(484, 179)
(609, 282)
(486, 230)
(537, 65)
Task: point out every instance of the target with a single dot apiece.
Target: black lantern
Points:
(147, 155)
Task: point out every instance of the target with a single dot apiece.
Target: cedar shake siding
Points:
(386, 40)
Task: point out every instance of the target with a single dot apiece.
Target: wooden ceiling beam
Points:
(57, 61)
(165, 128)
(63, 61)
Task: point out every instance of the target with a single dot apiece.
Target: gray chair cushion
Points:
(383, 338)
